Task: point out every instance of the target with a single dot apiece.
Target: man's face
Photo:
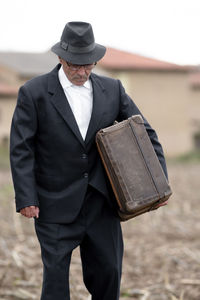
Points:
(78, 75)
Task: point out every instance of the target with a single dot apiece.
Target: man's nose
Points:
(81, 71)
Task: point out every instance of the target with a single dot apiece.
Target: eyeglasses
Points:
(77, 67)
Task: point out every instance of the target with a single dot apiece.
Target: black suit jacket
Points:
(51, 164)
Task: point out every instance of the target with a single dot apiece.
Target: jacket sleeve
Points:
(129, 108)
(22, 156)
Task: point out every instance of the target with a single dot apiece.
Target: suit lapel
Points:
(61, 104)
(99, 104)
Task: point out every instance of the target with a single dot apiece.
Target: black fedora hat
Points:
(77, 44)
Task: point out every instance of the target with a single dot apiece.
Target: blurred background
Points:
(154, 49)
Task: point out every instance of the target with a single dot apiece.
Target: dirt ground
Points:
(162, 248)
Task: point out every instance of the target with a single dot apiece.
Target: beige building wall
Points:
(7, 106)
(194, 110)
(165, 99)
(10, 79)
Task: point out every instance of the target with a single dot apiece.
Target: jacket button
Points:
(84, 156)
(85, 175)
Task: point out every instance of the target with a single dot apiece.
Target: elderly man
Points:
(58, 176)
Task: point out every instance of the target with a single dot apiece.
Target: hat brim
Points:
(80, 58)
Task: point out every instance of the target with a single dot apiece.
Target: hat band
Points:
(68, 47)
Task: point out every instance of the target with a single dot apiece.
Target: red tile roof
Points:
(118, 59)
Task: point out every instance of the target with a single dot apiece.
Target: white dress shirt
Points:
(80, 99)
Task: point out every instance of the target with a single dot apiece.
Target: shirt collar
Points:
(66, 83)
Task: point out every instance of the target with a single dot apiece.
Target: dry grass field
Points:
(162, 248)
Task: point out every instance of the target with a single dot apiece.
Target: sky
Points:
(163, 29)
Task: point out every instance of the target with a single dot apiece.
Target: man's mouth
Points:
(84, 78)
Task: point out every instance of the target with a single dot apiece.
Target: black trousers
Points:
(97, 231)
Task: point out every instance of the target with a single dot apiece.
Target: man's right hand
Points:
(30, 211)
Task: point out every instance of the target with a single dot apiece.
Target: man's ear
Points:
(60, 59)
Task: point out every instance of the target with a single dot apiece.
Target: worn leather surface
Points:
(132, 166)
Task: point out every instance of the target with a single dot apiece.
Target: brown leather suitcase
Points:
(132, 166)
